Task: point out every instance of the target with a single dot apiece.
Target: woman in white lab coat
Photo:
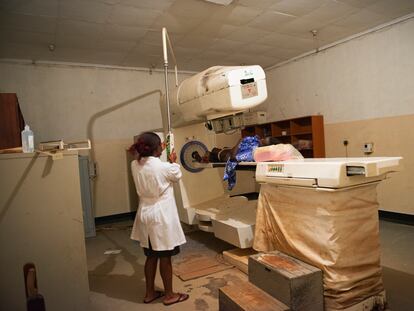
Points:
(157, 226)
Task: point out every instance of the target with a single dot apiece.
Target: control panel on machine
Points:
(327, 173)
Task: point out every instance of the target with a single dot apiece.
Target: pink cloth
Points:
(279, 152)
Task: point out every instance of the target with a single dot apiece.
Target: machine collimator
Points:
(216, 93)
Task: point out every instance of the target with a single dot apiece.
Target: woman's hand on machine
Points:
(173, 157)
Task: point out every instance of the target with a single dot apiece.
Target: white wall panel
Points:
(368, 77)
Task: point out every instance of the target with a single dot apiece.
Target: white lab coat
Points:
(157, 216)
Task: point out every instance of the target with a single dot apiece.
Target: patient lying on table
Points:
(246, 145)
(249, 149)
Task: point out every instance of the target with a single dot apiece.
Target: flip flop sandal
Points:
(181, 298)
(159, 294)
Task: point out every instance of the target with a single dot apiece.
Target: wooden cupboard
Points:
(305, 133)
(11, 121)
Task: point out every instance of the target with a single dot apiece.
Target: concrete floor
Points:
(397, 259)
(117, 281)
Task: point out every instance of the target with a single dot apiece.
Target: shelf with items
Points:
(302, 141)
(265, 130)
(305, 133)
(285, 139)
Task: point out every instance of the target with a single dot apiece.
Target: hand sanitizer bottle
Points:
(27, 140)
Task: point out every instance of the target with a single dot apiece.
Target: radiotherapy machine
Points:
(322, 211)
(215, 97)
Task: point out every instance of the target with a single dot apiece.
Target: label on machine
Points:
(274, 168)
(249, 90)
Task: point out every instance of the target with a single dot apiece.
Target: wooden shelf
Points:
(305, 133)
(301, 133)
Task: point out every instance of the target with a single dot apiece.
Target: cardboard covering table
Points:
(334, 228)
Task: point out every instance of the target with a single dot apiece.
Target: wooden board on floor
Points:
(195, 267)
(239, 258)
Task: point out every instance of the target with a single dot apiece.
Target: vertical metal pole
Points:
(170, 136)
(165, 54)
(167, 96)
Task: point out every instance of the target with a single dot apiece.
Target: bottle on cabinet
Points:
(27, 139)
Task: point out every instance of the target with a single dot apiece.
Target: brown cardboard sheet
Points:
(198, 265)
(336, 231)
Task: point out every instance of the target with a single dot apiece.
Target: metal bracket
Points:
(54, 148)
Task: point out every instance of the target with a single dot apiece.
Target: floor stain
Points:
(201, 304)
(213, 286)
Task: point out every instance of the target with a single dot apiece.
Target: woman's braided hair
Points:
(146, 145)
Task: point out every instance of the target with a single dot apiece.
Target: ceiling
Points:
(128, 32)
